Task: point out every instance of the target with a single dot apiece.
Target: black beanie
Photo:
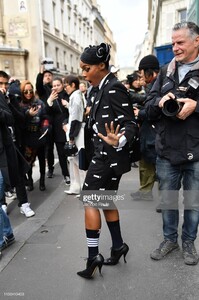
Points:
(149, 62)
(94, 55)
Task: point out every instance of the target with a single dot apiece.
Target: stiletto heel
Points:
(116, 254)
(100, 268)
(91, 267)
(125, 257)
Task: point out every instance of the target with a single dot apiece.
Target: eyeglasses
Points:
(65, 85)
(28, 92)
(4, 83)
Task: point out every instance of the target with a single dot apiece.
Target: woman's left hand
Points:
(113, 135)
(65, 127)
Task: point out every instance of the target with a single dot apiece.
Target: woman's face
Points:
(136, 83)
(91, 73)
(28, 92)
(57, 86)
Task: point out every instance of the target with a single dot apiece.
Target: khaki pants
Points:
(147, 175)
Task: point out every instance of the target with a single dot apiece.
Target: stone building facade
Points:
(54, 30)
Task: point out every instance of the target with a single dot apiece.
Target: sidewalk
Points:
(50, 248)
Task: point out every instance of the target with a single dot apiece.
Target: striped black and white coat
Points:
(112, 103)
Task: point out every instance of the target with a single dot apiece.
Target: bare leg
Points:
(92, 218)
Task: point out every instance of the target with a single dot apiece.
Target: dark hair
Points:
(149, 72)
(4, 75)
(192, 27)
(47, 71)
(72, 79)
(58, 78)
(132, 77)
(94, 55)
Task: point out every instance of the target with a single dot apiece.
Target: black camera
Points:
(172, 107)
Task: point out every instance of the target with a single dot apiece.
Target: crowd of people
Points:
(92, 123)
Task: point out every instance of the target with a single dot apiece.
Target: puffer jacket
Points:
(176, 140)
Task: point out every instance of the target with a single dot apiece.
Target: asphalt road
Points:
(50, 248)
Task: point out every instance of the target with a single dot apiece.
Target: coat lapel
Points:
(97, 101)
(100, 93)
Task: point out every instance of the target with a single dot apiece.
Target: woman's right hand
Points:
(33, 111)
(53, 95)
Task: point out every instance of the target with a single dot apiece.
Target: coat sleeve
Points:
(39, 85)
(123, 111)
(153, 111)
(5, 113)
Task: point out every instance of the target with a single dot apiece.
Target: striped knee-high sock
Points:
(92, 242)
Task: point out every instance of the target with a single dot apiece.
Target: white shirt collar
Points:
(102, 81)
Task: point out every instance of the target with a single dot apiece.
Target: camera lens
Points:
(171, 107)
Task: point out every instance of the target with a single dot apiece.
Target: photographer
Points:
(177, 143)
(149, 69)
(43, 87)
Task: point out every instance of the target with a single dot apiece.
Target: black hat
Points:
(14, 88)
(47, 71)
(94, 55)
(149, 62)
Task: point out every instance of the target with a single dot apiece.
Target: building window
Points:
(65, 65)
(57, 57)
(71, 61)
(46, 48)
(69, 21)
(54, 14)
(182, 15)
(62, 20)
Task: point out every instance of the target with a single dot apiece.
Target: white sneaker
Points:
(10, 196)
(69, 192)
(26, 210)
(5, 209)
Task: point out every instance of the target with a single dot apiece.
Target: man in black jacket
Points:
(174, 107)
(149, 69)
(16, 130)
(6, 119)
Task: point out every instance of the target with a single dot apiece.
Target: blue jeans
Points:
(171, 178)
(5, 227)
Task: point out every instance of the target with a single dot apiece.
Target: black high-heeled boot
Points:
(91, 267)
(116, 254)
(42, 186)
